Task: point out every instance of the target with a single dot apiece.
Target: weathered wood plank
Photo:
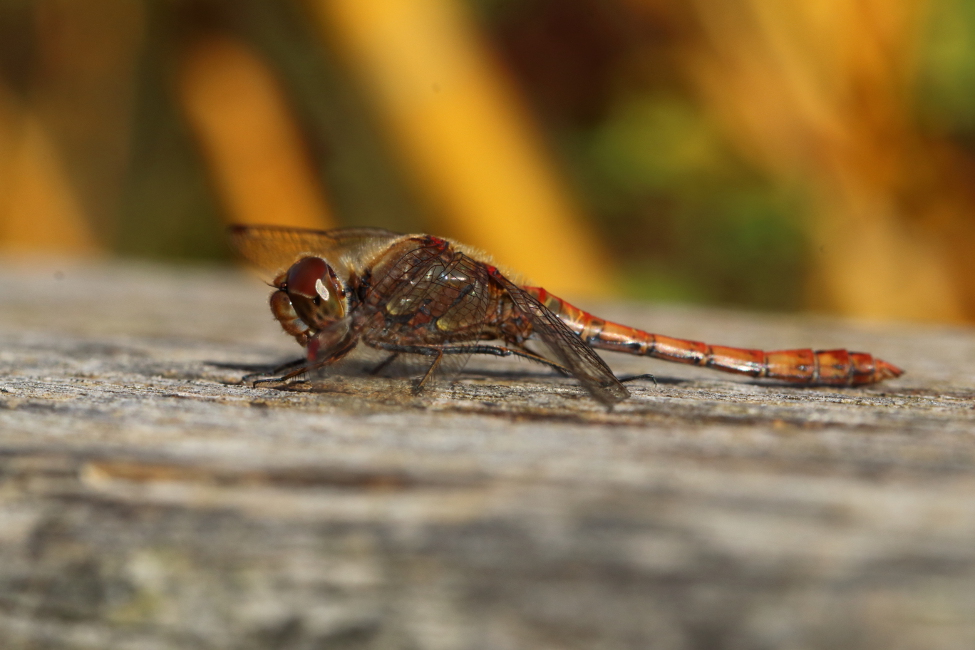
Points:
(148, 500)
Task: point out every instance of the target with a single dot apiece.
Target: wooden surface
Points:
(150, 501)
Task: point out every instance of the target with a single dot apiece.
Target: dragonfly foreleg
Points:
(274, 371)
(297, 372)
(327, 359)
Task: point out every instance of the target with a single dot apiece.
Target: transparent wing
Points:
(274, 248)
(567, 348)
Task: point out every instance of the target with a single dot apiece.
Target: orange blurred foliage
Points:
(64, 139)
(466, 137)
(39, 209)
(811, 94)
(249, 136)
(821, 93)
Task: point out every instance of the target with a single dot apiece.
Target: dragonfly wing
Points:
(274, 248)
(567, 348)
(428, 297)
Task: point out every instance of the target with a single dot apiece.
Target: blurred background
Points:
(803, 155)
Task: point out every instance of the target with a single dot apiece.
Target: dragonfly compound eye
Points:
(315, 293)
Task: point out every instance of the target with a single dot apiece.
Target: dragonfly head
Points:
(309, 298)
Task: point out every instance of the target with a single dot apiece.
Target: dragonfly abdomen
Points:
(804, 366)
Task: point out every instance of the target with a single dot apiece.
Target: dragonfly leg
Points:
(623, 380)
(329, 358)
(439, 352)
(418, 387)
(494, 350)
(427, 350)
(524, 353)
(274, 371)
(297, 372)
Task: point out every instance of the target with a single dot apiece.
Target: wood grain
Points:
(148, 499)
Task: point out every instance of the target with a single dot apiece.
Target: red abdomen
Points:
(803, 366)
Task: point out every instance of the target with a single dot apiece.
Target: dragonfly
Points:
(437, 300)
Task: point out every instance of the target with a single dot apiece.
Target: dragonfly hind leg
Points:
(440, 351)
(525, 353)
(623, 380)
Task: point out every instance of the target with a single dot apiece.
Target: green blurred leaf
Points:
(654, 143)
(947, 66)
